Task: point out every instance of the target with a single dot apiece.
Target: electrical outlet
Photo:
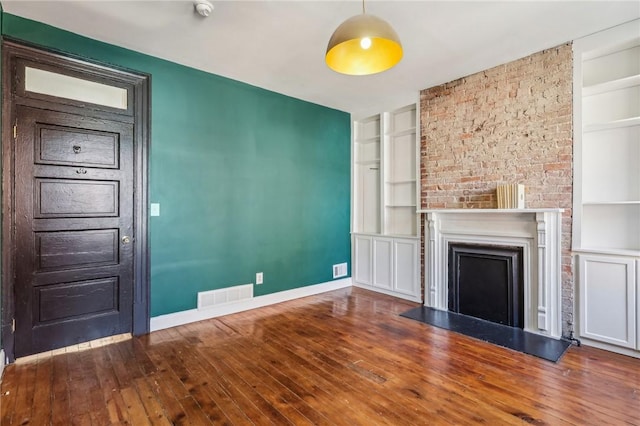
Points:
(259, 278)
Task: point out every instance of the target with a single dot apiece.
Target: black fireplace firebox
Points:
(485, 281)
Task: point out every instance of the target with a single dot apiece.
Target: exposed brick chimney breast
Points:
(509, 124)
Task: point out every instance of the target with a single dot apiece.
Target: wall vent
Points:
(340, 270)
(208, 299)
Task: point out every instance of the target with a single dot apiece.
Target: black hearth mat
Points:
(498, 334)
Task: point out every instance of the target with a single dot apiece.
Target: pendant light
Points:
(363, 44)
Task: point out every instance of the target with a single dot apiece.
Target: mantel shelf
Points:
(492, 211)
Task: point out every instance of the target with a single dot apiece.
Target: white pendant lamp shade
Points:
(362, 45)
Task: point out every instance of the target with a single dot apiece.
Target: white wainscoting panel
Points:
(362, 264)
(608, 299)
(382, 256)
(405, 259)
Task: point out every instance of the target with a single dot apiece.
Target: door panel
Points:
(74, 205)
(77, 198)
(76, 147)
(55, 303)
(76, 249)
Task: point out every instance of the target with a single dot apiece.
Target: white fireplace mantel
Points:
(536, 231)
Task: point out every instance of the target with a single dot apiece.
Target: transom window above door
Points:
(77, 89)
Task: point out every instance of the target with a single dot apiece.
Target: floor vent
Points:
(340, 270)
(208, 299)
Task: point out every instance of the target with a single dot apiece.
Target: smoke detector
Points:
(203, 7)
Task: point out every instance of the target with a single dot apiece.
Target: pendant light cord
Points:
(363, 12)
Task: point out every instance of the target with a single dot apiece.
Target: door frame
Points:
(137, 112)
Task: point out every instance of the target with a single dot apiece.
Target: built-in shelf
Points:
(616, 124)
(606, 192)
(607, 185)
(374, 161)
(374, 139)
(405, 132)
(609, 203)
(400, 182)
(385, 240)
(612, 85)
(404, 237)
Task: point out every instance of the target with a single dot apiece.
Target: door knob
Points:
(126, 239)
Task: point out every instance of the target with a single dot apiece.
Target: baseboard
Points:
(1, 363)
(608, 347)
(193, 315)
(389, 292)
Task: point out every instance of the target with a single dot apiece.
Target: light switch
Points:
(155, 209)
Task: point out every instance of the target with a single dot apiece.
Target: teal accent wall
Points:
(248, 180)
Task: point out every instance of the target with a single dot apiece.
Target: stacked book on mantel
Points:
(510, 196)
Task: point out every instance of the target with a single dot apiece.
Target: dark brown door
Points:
(73, 229)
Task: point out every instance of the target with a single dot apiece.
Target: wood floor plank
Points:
(371, 358)
(223, 381)
(512, 409)
(10, 383)
(209, 389)
(108, 385)
(339, 358)
(43, 392)
(165, 372)
(238, 359)
(81, 420)
(303, 386)
(135, 408)
(341, 390)
(122, 374)
(60, 412)
(196, 416)
(24, 395)
(199, 382)
(81, 380)
(371, 391)
(275, 398)
(175, 413)
(151, 404)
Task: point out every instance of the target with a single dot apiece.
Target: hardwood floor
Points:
(340, 358)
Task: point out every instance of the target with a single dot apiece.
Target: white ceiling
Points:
(280, 45)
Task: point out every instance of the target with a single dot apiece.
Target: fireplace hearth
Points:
(486, 282)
